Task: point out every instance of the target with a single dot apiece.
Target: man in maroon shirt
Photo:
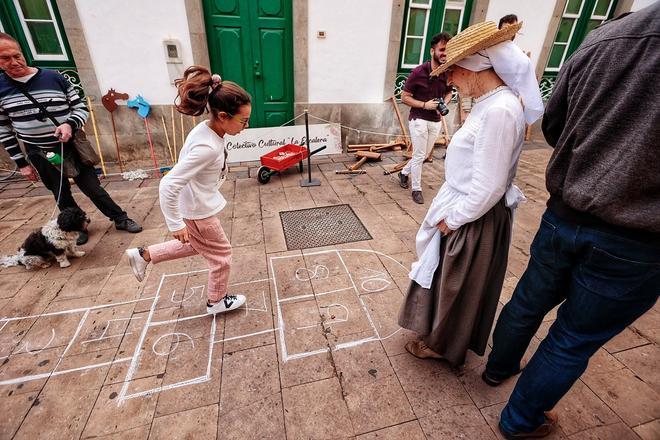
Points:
(422, 93)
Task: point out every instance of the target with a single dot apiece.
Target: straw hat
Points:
(473, 39)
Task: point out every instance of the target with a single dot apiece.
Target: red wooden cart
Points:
(282, 158)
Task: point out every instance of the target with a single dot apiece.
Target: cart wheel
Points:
(263, 175)
(300, 166)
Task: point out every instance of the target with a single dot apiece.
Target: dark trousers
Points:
(605, 281)
(87, 181)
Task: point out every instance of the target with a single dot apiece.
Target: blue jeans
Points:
(605, 281)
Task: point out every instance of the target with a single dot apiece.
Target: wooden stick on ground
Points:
(358, 164)
(350, 172)
(361, 147)
(368, 155)
(363, 156)
(391, 169)
(387, 146)
(375, 147)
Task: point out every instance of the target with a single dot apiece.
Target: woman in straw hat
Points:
(462, 245)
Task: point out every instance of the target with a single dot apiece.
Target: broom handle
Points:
(96, 135)
(114, 132)
(173, 135)
(167, 138)
(182, 134)
(151, 145)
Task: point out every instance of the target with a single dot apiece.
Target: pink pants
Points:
(208, 240)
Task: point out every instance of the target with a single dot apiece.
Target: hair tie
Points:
(216, 81)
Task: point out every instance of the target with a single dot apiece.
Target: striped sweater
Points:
(22, 119)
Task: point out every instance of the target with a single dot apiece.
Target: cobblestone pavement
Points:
(88, 351)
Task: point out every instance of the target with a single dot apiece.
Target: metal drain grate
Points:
(316, 227)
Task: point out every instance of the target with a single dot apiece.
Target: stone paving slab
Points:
(315, 353)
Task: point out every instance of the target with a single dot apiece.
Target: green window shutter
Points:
(456, 16)
(421, 21)
(37, 26)
(451, 22)
(415, 32)
(41, 30)
(579, 18)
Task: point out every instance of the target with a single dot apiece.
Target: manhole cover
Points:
(325, 226)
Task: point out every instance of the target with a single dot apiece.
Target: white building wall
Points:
(125, 40)
(535, 14)
(640, 4)
(349, 64)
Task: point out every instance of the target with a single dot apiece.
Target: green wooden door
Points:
(250, 43)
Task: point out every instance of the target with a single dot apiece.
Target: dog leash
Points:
(59, 191)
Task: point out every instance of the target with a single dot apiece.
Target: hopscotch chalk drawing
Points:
(334, 293)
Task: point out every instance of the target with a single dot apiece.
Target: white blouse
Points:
(481, 163)
(191, 189)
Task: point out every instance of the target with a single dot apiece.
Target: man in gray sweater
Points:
(597, 250)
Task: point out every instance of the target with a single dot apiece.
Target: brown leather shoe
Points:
(551, 420)
(417, 197)
(420, 350)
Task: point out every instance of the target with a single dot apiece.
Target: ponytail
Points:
(199, 90)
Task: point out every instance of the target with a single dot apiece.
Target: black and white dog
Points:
(56, 239)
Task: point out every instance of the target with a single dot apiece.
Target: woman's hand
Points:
(444, 229)
(182, 235)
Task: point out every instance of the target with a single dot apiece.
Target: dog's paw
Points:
(65, 263)
(79, 254)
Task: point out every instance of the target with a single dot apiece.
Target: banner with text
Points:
(252, 143)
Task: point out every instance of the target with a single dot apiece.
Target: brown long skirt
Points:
(457, 312)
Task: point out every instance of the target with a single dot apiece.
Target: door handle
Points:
(257, 73)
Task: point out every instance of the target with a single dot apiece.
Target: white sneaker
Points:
(138, 264)
(229, 302)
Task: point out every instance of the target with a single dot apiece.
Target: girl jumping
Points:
(189, 193)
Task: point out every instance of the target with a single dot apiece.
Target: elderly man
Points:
(22, 119)
(597, 250)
